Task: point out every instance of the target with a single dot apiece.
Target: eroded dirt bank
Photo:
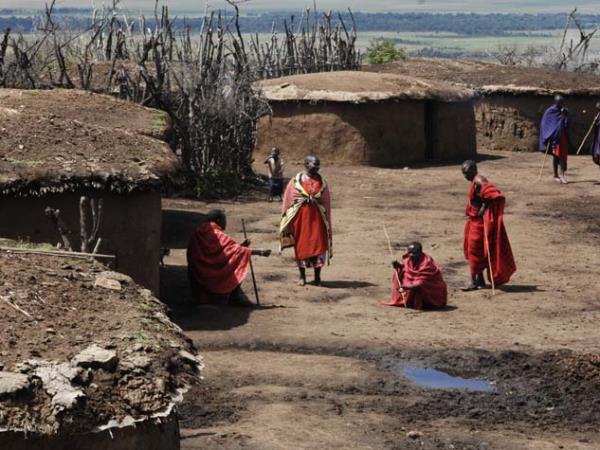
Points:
(322, 367)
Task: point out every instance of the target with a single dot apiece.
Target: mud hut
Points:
(88, 359)
(512, 99)
(93, 161)
(366, 118)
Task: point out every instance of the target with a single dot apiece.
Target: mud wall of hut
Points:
(511, 122)
(130, 229)
(385, 134)
(450, 130)
(149, 435)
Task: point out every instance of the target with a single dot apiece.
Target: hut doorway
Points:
(430, 129)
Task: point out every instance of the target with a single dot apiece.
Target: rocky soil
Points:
(83, 348)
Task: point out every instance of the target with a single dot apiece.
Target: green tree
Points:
(383, 51)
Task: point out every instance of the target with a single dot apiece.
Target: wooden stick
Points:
(489, 257)
(251, 267)
(57, 253)
(391, 254)
(545, 156)
(15, 307)
(588, 133)
(389, 242)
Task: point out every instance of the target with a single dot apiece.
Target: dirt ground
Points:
(321, 367)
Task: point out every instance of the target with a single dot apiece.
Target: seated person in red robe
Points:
(217, 265)
(486, 244)
(418, 281)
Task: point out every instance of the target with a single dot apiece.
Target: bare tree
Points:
(205, 83)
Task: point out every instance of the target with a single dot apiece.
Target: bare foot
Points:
(557, 179)
(472, 286)
(302, 282)
(563, 180)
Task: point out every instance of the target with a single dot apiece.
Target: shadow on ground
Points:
(176, 293)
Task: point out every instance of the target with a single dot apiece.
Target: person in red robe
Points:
(306, 219)
(418, 281)
(217, 265)
(486, 244)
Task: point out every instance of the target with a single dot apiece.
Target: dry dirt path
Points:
(321, 367)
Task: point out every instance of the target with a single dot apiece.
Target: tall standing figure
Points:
(554, 137)
(306, 219)
(486, 243)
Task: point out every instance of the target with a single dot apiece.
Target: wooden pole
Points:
(544, 161)
(251, 267)
(588, 133)
(489, 257)
(389, 242)
(391, 254)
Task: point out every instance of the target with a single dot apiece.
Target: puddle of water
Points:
(436, 379)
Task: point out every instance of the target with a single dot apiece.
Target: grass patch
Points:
(27, 245)
(160, 122)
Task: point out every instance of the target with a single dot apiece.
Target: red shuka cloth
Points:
(562, 149)
(432, 289)
(308, 228)
(216, 263)
(501, 256)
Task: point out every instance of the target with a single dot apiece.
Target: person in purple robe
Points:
(596, 140)
(554, 137)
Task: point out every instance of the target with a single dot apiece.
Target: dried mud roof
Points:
(90, 108)
(487, 77)
(359, 87)
(67, 144)
(84, 349)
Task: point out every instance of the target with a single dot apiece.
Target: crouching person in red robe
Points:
(306, 219)
(418, 281)
(217, 265)
(486, 244)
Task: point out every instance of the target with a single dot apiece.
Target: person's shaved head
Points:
(217, 216)
(312, 164)
(598, 105)
(469, 169)
(415, 248)
(415, 251)
(559, 100)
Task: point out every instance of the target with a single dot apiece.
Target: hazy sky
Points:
(357, 5)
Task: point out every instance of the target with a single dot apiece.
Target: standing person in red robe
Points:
(306, 220)
(485, 232)
(217, 265)
(418, 281)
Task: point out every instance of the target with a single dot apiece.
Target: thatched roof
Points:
(39, 155)
(489, 78)
(358, 87)
(67, 322)
(65, 147)
(87, 107)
